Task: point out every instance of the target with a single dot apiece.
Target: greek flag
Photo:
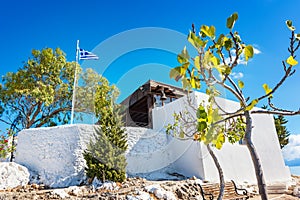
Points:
(86, 55)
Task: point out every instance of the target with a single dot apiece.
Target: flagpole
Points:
(74, 84)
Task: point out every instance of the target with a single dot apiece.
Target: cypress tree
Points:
(282, 132)
(105, 155)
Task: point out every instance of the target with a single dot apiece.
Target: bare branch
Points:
(235, 93)
(284, 66)
(298, 45)
(237, 48)
(274, 112)
(276, 109)
(286, 75)
(228, 118)
(35, 114)
(6, 122)
(221, 54)
(288, 70)
(224, 111)
(43, 120)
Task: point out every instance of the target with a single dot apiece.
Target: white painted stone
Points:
(13, 175)
(54, 154)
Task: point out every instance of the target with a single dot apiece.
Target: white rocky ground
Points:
(14, 184)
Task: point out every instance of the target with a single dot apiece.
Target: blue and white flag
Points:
(86, 55)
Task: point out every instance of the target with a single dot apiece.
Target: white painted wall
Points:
(56, 153)
(235, 159)
(152, 150)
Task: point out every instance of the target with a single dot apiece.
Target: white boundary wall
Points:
(235, 159)
(55, 153)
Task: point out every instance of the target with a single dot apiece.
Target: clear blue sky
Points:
(35, 24)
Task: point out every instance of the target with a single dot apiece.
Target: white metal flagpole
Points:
(74, 84)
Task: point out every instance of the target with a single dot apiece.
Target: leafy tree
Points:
(105, 155)
(41, 91)
(208, 120)
(282, 132)
(217, 57)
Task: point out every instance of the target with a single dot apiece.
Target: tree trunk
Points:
(12, 156)
(221, 175)
(255, 158)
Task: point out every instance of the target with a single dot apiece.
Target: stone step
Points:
(277, 189)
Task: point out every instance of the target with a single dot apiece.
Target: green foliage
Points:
(210, 127)
(210, 68)
(217, 57)
(241, 84)
(86, 91)
(289, 24)
(207, 31)
(231, 20)
(268, 90)
(105, 156)
(282, 132)
(208, 130)
(41, 90)
(104, 160)
(211, 58)
(236, 129)
(5, 145)
(249, 52)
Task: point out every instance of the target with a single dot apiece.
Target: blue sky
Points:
(109, 27)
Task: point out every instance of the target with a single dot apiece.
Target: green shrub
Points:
(105, 155)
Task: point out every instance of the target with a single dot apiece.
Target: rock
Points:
(296, 191)
(61, 193)
(141, 196)
(74, 190)
(160, 193)
(35, 186)
(96, 183)
(180, 194)
(13, 175)
(108, 186)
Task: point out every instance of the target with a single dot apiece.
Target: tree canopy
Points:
(40, 92)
